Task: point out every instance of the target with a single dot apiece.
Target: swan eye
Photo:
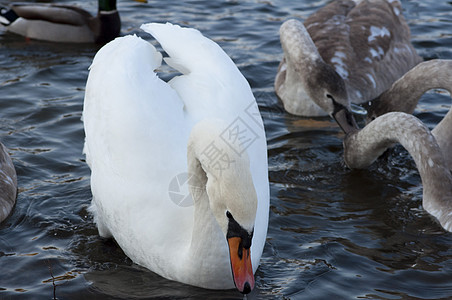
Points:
(228, 214)
(335, 104)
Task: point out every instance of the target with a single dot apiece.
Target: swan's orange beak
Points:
(242, 270)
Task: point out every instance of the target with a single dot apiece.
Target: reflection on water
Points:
(333, 232)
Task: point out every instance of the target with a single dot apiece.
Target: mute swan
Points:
(363, 147)
(63, 23)
(8, 184)
(142, 133)
(348, 51)
(404, 95)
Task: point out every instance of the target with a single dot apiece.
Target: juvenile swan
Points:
(348, 51)
(405, 93)
(363, 147)
(8, 184)
(146, 139)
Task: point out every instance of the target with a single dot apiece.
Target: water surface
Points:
(333, 232)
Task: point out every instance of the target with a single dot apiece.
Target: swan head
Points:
(233, 202)
(231, 194)
(307, 74)
(327, 88)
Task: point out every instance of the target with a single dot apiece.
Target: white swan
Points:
(8, 183)
(405, 93)
(363, 147)
(348, 51)
(142, 134)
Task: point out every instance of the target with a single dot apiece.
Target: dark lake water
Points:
(333, 232)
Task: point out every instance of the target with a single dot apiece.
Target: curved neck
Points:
(443, 135)
(8, 184)
(297, 43)
(221, 175)
(404, 94)
(300, 56)
(209, 163)
(299, 49)
(205, 227)
(362, 148)
(106, 5)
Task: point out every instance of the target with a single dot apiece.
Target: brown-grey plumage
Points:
(367, 43)
(8, 184)
(443, 135)
(363, 147)
(405, 93)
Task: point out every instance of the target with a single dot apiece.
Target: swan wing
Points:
(204, 86)
(207, 73)
(127, 107)
(368, 43)
(135, 130)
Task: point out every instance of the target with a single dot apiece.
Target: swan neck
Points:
(203, 216)
(365, 146)
(405, 92)
(8, 184)
(207, 240)
(297, 44)
(297, 75)
(443, 135)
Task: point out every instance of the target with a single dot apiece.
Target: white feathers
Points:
(376, 32)
(137, 129)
